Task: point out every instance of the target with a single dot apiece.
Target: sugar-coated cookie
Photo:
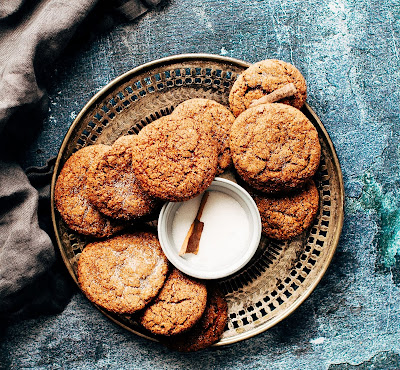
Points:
(179, 305)
(288, 215)
(124, 273)
(261, 79)
(112, 186)
(274, 147)
(174, 158)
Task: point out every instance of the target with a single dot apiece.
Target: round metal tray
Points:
(282, 274)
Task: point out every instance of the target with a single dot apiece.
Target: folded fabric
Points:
(32, 36)
(22, 259)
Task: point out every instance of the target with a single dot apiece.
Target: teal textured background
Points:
(348, 52)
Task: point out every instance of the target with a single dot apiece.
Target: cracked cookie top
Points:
(286, 216)
(179, 305)
(261, 79)
(124, 273)
(216, 118)
(175, 158)
(274, 147)
(112, 185)
(71, 196)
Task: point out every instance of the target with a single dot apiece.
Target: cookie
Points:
(274, 147)
(179, 305)
(71, 197)
(286, 216)
(261, 79)
(124, 273)
(208, 330)
(112, 185)
(174, 159)
(216, 118)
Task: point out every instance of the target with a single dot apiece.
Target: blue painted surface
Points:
(348, 52)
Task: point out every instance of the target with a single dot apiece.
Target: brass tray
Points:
(282, 274)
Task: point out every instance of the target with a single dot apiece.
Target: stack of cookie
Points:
(275, 148)
(101, 189)
(128, 274)
(96, 191)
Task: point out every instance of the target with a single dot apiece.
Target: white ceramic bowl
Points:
(251, 235)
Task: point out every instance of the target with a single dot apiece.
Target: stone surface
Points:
(348, 52)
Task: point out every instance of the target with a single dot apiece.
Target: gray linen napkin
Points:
(32, 36)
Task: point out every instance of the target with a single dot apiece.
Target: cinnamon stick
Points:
(192, 239)
(283, 92)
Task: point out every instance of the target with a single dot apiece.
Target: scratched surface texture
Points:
(348, 52)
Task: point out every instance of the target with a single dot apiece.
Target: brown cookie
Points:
(274, 147)
(261, 79)
(71, 198)
(286, 216)
(216, 118)
(179, 305)
(175, 158)
(124, 273)
(208, 330)
(112, 186)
